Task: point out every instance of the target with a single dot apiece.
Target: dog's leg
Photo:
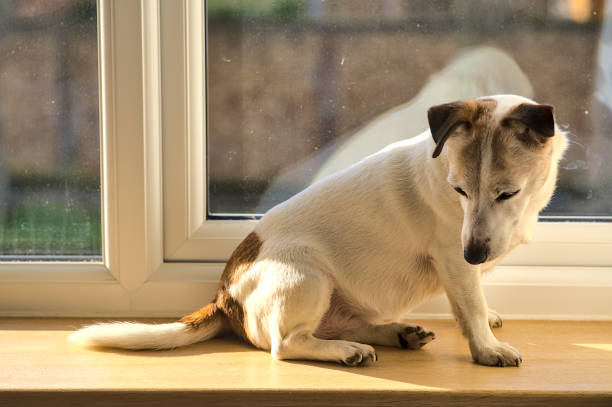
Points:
(302, 345)
(297, 312)
(495, 320)
(340, 322)
(399, 335)
(464, 291)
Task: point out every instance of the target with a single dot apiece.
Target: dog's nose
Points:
(476, 253)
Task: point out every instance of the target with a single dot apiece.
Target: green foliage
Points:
(39, 229)
(288, 9)
(82, 11)
(228, 10)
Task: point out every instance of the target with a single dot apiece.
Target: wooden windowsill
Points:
(565, 363)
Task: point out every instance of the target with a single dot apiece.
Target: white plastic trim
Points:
(142, 80)
(189, 236)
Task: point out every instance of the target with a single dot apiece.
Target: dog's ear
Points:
(538, 122)
(444, 119)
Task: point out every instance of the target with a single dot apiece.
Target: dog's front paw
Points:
(415, 337)
(495, 320)
(496, 354)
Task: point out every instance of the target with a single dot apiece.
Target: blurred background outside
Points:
(49, 140)
(292, 82)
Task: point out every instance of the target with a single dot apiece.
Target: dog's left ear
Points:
(444, 119)
(538, 118)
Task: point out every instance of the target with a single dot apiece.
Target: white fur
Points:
(360, 233)
(349, 256)
(129, 335)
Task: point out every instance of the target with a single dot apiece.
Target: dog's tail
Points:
(204, 324)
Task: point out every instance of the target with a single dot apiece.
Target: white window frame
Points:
(132, 279)
(162, 257)
(189, 235)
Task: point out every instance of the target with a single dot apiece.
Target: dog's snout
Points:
(476, 252)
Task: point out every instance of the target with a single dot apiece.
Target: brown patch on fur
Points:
(533, 125)
(239, 263)
(241, 259)
(467, 155)
(235, 314)
(444, 119)
(502, 150)
(224, 304)
(517, 148)
(471, 160)
(198, 318)
(424, 262)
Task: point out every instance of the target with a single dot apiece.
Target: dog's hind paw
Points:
(415, 337)
(360, 355)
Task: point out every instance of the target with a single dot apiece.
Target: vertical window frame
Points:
(131, 278)
(157, 242)
(570, 256)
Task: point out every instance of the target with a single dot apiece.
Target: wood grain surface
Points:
(565, 363)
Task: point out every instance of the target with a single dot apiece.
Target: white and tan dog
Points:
(331, 271)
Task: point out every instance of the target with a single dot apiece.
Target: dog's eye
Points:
(506, 195)
(461, 191)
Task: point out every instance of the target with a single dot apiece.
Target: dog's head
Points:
(502, 154)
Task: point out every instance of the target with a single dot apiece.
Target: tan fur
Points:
(470, 143)
(200, 317)
(465, 116)
(507, 151)
(241, 260)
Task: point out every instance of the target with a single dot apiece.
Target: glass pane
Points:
(292, 83)
(49, 142)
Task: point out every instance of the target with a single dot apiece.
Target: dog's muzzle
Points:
(476, 253)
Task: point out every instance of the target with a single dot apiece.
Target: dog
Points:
(330, 272)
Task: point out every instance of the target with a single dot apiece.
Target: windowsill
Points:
(562, 361)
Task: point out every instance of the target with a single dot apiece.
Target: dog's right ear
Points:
(444, 119)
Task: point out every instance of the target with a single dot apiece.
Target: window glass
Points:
(49, 139)
(293, 84)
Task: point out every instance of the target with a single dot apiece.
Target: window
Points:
(172, 208)
(297, 90)
(293, 83)
(125, 42)
(49, 141)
